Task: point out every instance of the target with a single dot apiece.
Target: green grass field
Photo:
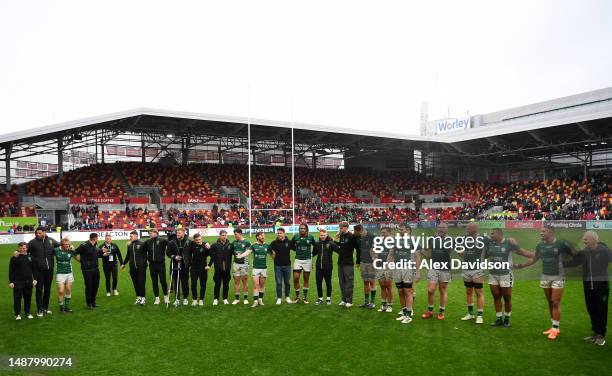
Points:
(120, 338)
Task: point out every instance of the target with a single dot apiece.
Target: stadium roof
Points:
(575, 124)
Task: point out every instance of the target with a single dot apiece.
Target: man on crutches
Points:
(180, 275)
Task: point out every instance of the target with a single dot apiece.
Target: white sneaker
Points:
(382, 309)
(348, 305)
(235, 301)
(177, 303)
(194, 303)
(400, 318)
(216, 302)
(201, 302)
(115, 292)
(166, 299)
(156, 302)
(185, 302)
(30, 317)
(143, 301)
(225, 301)
(255, 304)
(328, 301)
(108, 294)
(406, 320)
(260, 302)
(279, 301)
(245, 301)
(389, 309)
(48, 312)
(288, 300)
(39, 314)
(137, 300)
(479, 320)
(467, 317)
(342, 304)
(400, 312)
(18, 317)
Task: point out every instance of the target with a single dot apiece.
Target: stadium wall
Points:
(121, 234)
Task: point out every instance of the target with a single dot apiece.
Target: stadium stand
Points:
(92, 181)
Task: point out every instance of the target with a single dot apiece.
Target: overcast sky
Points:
(353, 64)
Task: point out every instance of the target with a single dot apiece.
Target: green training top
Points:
(501, 252)
(239, 247)
(550, 253)
(404, 253)
(474, 253)
(260, 253)
(441, 249)
(303, 246)
(64, 266)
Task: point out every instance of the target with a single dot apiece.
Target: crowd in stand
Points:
(322, 195)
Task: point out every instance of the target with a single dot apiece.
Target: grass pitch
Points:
(120, 338)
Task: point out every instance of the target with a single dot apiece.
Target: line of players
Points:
(192, 259)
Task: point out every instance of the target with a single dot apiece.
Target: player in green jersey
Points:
(473, 276)
(240, 267)
(383, 273)
(64, 277)
(405, 276)
(302, 244)
(501, 279)
(439, 275)
(550, 251)
(260, 251)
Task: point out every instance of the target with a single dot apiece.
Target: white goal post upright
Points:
(249, 154)
(292, 166)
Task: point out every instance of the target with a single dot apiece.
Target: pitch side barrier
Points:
(122, 234)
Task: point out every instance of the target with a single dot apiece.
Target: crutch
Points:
(171, 276)
(178, 283)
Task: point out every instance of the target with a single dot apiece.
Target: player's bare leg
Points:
(431, 293)
(497, 303)
(245, 288)
(296, 285)
(305, 287)
(442, 286)
(237, 280)
(383, 296)
(554, 301)
(507, 295)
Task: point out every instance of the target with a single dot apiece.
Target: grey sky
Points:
(354, 64)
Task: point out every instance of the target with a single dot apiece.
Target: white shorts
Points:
(439, 276)
(302, 265)
(260, 273)
(403, 275)
(368, 273)
(501, 280)
(472, 275)
(64, 278)
(552, 281)
(240, 270)
(384, 274)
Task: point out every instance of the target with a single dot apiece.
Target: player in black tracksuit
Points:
(21, 280)
(177, 250)
(156, 248)
(110, 265)
(88, 254)
(324, 250)
(198, 268)
(346, 264)
(137, 258)
(594, 259)
(41, 249)
(221, 253)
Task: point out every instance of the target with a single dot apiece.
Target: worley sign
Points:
(452, 125)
